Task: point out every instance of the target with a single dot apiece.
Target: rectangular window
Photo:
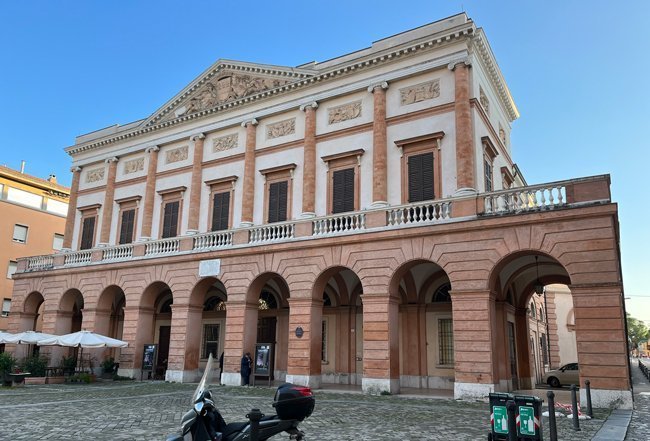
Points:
(20, 233)
(278, 201)
(6, 306)
(343, 190)
(488, 175)
(127, 226)
(24, 197)
(446, 342)
(420, 177)
(11, 269)
(544, 346)
(170, 219)
(87, 233)
(210, 341)
(323, 351)
(57, 241)
(220, 211)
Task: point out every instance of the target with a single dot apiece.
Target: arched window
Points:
(326, 300)
(442, 294)
(533, 310)
(166, 306)
(214, 303)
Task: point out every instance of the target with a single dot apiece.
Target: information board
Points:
(149, 357)
(500, 419)
(262, 360)
(526, 420)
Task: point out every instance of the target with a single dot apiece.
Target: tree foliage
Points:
(637, 331)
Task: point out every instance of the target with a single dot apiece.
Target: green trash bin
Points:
(499, 416)
(529, 418)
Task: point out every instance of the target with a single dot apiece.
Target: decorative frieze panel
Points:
(133, 166)
(225, 143)
(485, 103)
(419, 92)
(281, 128)
(176, 155)
(344, 112)
(94, 175)
(229, 87)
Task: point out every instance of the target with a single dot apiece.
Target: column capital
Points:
(313, 105)
(466, 61)
(253, 122)
(112, 159)
(152, 149)
(196, 136)
(75, 169)
(383, 85)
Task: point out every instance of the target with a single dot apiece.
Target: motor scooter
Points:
(204, 422)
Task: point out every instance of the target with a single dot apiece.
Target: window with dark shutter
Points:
(420, 177)
(170, 219)
(220, 211)
(343, 190)
(87, 233)
(488, 175)
(278, 201)
(126, 228)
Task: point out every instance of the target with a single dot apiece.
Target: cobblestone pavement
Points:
(150, 411)
(639, 429)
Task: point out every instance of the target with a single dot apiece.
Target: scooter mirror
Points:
(198, 407)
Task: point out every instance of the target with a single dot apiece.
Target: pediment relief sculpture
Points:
(281, 128)
(226, 88)
(225, 143)
(344, 112)
(133, 166)
(177, 155)
(419, 92)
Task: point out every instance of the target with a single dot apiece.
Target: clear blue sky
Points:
(578, 71)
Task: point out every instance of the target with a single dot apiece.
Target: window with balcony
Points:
(343, 171)
(6, 306)
(222, 192)
(88, 226)
(20, 233)
(128, 219)
(421, 168)
(57, 241)
(278, 185)
(172, 207)
(11, 268)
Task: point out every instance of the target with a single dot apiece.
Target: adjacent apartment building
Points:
(361, 218)
(32, 222)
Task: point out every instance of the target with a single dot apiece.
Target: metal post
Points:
(255, 416)
(552, 426)
(574, 407)
(512, 421)
(590, 411)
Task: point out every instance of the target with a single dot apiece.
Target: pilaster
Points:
(72, 208)
(249, 173)
(309, 161)
(305, 349)
(109, 196)
(379, 147)
(241, 334)
(149, 194)
(465, 169)
(195, 190)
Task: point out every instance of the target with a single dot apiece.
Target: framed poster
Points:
(149, 357)
(262, 361)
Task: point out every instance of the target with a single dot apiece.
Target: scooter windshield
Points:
(204, 384)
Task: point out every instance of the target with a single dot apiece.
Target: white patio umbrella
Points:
(25, 338)
(83, 339)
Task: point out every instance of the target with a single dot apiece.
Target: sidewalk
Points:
(639, 425)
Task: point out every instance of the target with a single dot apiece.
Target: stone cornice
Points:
(302, 80)
(484, 52)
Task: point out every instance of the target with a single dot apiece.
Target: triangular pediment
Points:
(226, 82)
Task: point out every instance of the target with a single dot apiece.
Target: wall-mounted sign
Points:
(262, 361)
(299, 332)
(210, 267)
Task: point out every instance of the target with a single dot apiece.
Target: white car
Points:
(566, 375)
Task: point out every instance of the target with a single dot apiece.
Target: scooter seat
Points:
(232, 428)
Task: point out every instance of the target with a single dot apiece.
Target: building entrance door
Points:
(512, 354)
(266, 334)
(163, 351)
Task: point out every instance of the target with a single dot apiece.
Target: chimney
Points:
(51, 179)
(22, 166)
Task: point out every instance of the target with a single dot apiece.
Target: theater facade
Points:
(361, 216)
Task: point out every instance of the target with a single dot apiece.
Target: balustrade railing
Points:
(539, 197)
(77, 258)
(39, 263)
(215, 239)
(163, 246)
(339, 224)
(118, 252)
(272, 233)
(422, 212)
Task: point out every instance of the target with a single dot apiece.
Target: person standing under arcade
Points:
(246, 362)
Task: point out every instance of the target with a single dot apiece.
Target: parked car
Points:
(566, 375)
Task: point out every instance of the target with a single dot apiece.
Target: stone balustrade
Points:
(564, 194)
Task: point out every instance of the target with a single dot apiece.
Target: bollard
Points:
(512, 421)
(255, 416)
(552, 426)
(574, 407)
(590, 411)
